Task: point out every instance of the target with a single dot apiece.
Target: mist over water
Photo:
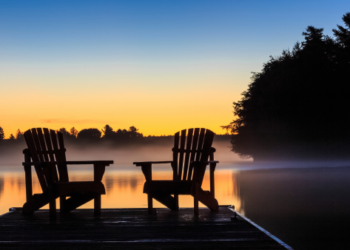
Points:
(123, 156)
(304, 203)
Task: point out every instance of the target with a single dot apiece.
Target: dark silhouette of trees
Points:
(342, 35)
(2, 134)
(298, 105)
(19, 135)
(89, 134)
(64, 132)
(133, 132)
(108, 132)
(121, 135)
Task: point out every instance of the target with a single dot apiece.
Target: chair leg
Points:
(195, 199)
(150, 204)
(176, 196)
(97, 204)
(62, 203)
(52, 208)
(195, 206)
(207, 199)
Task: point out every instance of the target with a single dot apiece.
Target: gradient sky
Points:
(158, 65)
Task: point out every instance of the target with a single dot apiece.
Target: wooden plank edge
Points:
(130, 241)
(11, 210)
(261, 229)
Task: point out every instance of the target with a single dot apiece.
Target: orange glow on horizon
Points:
(153, 111)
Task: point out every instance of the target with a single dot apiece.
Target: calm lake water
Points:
(306, 205)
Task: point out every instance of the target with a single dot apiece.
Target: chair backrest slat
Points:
(37, 144)
(62, 167)
(54, 143)
(175, 156)
(193, 154)
(61, 145)
(45, 154)
(34, 156)
(44, 147)
(41, 153)
(198, 143)
(48, 144)
(40, 150)
(208, 140)
(181, 152)
(188, 153)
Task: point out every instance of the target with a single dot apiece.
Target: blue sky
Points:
(158, 30)
(153, 47)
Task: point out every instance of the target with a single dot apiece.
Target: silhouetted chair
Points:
(46, 152)
(190, 157)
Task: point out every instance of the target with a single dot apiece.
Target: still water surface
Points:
(305, 205)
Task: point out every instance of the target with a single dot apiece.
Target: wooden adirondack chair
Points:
(190, 157)
(46, 152)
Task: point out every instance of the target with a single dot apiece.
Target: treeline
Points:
(94, 136)
(106, 134)
(298, 106)
(90, 135)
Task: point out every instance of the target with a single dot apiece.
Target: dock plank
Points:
(132, 229)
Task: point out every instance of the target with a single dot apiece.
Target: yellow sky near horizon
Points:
(156, 105)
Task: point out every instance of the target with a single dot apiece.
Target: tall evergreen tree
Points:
(297, 105)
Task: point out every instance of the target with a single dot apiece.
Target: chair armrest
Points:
(142, 163)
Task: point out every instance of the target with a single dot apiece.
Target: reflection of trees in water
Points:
(20, 184)
(236, 193)
(109, 183)
(1, 185)
(122, 182)
(12, 183)
(133, 183)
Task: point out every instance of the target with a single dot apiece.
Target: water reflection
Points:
(1, 185)
(304, 205)
(123, 188)
(308, 208)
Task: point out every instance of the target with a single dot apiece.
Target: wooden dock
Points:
(134, 229)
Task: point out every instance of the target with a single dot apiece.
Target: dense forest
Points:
(298, 106)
